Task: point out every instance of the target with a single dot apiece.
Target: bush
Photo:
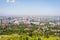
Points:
(26, 38)
(39, 38)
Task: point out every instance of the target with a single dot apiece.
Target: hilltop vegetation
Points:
(27, 32)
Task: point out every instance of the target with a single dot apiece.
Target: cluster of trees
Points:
(26, 29)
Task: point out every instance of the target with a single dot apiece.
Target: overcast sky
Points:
(30, 7)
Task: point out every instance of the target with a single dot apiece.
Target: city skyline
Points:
(30, 7)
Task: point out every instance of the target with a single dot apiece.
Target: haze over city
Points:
(29, 7)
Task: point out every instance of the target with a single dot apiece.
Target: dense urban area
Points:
(30, 28)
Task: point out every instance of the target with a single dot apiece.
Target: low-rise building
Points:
(42, 24)
(16, 22)
(35, 23)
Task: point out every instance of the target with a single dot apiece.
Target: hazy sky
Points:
(30, 7)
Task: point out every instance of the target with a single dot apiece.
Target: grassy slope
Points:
(23, 37)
